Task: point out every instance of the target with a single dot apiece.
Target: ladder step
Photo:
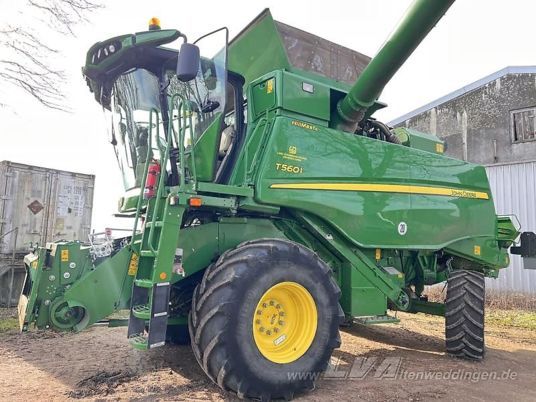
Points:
(147, 253)
(142, 311)
(156, 224)
(143, 283)
(138, 342)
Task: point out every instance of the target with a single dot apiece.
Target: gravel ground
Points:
(403, 361)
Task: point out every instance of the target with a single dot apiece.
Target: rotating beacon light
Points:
(154, 24)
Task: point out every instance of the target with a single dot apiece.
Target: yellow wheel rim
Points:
(284, 322)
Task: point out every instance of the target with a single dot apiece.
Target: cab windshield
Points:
(143, 107)
(135, 113)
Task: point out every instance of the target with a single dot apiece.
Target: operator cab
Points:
(193, 125)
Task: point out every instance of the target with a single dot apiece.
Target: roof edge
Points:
(463, 90)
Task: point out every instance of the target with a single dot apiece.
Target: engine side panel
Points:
(378, 194)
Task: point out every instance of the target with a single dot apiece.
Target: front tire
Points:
(265, 318)
(464, 315)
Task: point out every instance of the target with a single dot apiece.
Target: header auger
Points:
(269, 206)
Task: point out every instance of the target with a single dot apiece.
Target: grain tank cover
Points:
(266, 45)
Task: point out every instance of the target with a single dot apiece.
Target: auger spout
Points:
(419, 20)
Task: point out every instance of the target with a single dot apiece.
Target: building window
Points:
(523, 124)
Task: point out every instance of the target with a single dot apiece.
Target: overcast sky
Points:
(474, 39)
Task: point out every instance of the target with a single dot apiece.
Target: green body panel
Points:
(253, 60)
(359, 296)
(110, 280)
(204, 243)
(263, 96)
(102, 66)
(312, 155)
(205, 151)
(284, 90)
(105, 287)
(59, 273)
(415, 139)
(297, 100)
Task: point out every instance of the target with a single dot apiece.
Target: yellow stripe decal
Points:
(385, 188)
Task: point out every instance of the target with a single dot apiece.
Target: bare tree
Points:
(25, 60)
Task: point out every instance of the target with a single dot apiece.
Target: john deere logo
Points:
(292, 150)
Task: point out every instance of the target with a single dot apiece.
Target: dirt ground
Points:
(403, 361)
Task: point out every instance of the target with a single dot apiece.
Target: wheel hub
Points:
(284, 322)
(270, 319)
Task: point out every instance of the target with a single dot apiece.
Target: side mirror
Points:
(188, 62)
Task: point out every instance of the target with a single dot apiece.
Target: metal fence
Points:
(514, 192)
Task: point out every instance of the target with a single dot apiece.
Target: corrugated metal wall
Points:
(514, 192)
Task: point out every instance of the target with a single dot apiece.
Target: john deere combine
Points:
(269, 207)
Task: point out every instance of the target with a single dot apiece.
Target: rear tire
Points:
(225, 321)
(464, 315)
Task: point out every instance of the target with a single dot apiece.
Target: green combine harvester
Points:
(270, 207)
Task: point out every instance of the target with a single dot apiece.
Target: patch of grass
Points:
(499, 300)
(8, 324)
(512, 318)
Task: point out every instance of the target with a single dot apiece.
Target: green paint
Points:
(258, 49)
(385, 217)
(416, 139)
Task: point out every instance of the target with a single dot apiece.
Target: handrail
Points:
(178, 136)
(145, 170)
(163, 162)
(184, 113)
(164, 156)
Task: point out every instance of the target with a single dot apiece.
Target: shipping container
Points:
(513, 187)
(39, 205)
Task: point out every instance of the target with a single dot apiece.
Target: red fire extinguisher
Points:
(152, 180)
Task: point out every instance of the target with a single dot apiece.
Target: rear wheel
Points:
(464, 314)
(265, 319)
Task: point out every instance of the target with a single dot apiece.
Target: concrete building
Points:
(489, 121)
(492, 122)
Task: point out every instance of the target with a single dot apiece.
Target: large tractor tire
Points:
(265, 319)
(464, 314)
